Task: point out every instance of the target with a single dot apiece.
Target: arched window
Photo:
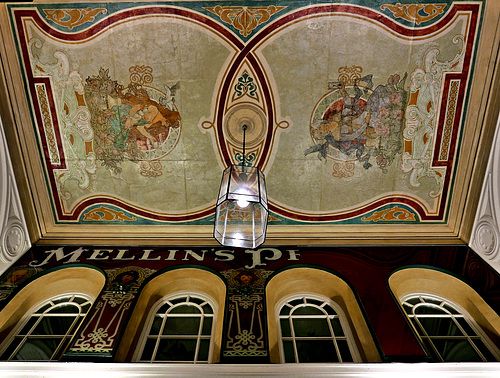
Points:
(172, 299)
(448, 333)
(47, 329)
(180, 328)
(314, 329)
(316, 318)
(451, 319)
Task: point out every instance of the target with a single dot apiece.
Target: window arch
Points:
(451, 319)
(175, 286)
(313, 328)
(320, 286)
(448, 332)
(83, 281)
(180, 328)
(47, 329)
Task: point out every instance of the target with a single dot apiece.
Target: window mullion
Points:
(65, 337)
(183, 310)
(333, 337)
(423, 334)
(314, 310)
(37, 316)
(198, 339)
(469, 338)
(448, 313)
(159, 336)
(26, 336)
(292, 334)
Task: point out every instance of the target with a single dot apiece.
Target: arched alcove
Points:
(319, 282)
(417, 280)
(62, 281)
(184, 280)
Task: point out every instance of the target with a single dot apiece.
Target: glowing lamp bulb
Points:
(238, 240)
(241, 198)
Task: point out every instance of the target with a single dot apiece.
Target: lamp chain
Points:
(244, 127)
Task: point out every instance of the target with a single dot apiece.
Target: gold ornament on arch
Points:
(76, 16)
(245, 19)
(416, 13)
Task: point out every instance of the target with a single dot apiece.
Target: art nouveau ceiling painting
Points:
(355, 111)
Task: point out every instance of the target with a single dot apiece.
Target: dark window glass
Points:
(182, 326)
(440, 326)
(181, 331)
(312, 331)
(344, 350)
(316, 351)
(311, 327)
(179, 350)
(11, 348)
(155, 327)
(446, 334)
(148, 350)
(204, 350)
(483, 349)
(337, 328)
(285, 327)
(54, 325)
(308, 310)
(288, 349)
(207, 326)
(456, 350)
(185, 309)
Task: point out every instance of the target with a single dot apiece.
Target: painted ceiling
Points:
(356, 111)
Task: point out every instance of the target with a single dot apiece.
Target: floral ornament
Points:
(398, 115)
(382, 130)
(382, 113)
(381, 161)
(395, 97)
(245, 85)
(393, 80)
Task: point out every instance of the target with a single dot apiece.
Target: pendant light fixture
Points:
(241, 213)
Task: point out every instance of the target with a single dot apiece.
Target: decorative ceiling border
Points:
(450, 119)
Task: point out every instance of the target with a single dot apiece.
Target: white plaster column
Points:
(14, 238)
(485, 238)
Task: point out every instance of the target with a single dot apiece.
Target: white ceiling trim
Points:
(385, 370)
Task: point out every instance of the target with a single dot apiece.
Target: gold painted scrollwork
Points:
(417, 13)
(395, 213)
(348, 75)
(71, 18)
(105, 214)
(245, 19)
(343, 169)
(141, 74)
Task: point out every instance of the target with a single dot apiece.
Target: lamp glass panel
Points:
(224, 184)
(241, 212)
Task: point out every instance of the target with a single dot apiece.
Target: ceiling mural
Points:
(355, 111)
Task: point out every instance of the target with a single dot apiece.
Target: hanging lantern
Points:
(241, 213)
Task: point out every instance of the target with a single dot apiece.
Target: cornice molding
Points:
(485, 238)
(14, 237)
